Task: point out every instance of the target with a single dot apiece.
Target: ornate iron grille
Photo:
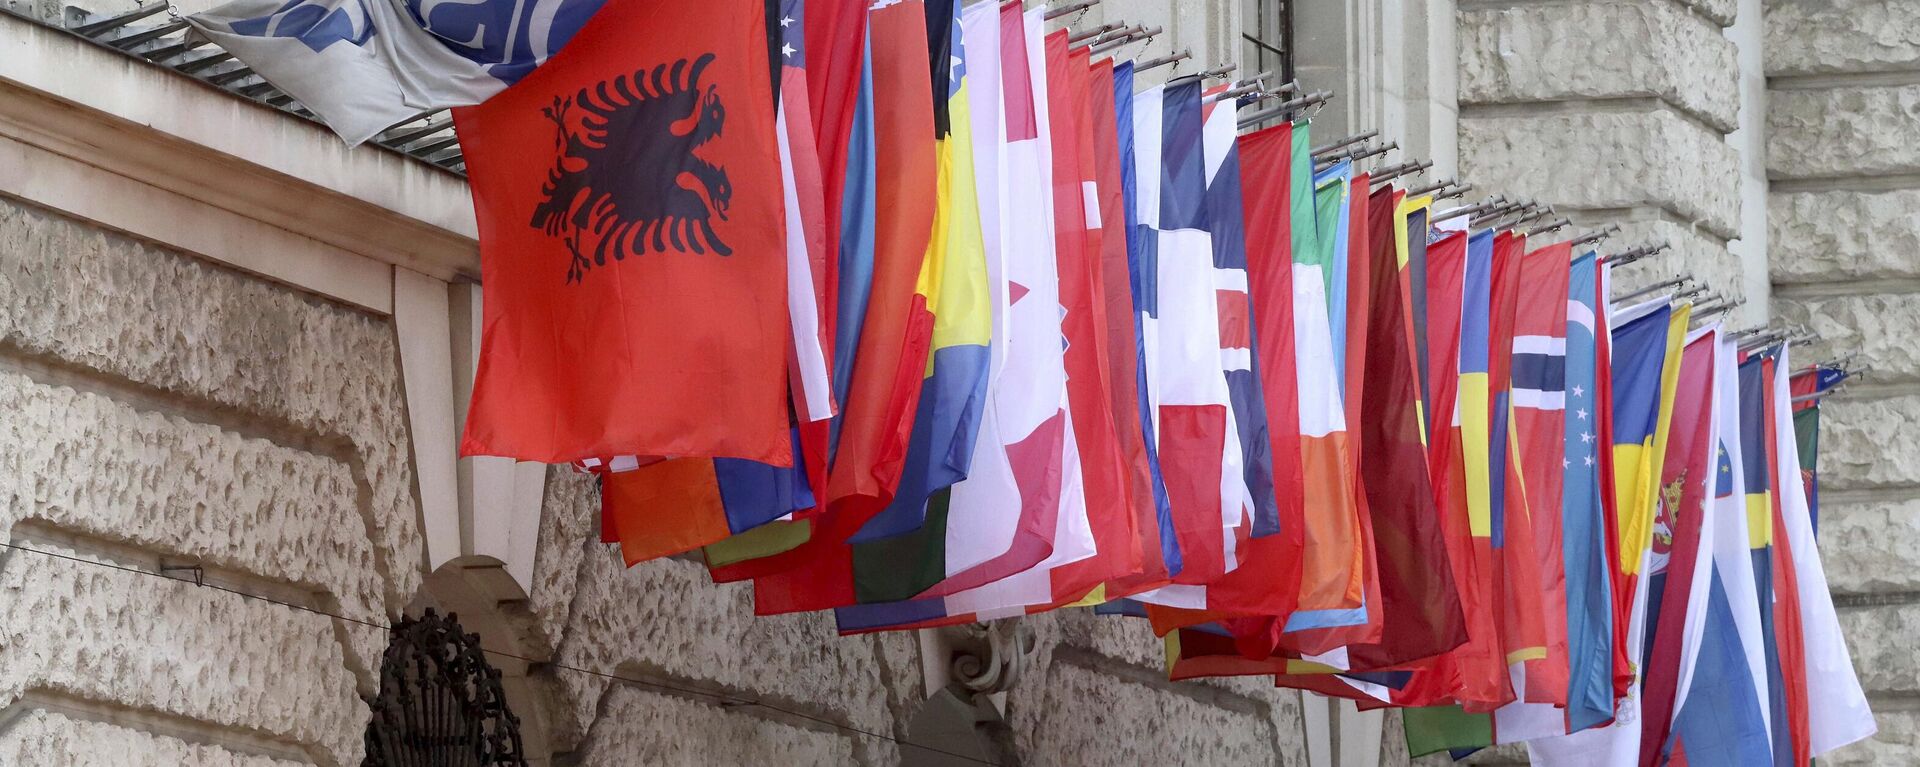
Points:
(440, 702)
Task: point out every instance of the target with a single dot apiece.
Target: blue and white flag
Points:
(362, 66)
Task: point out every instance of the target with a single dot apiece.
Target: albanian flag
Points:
(636, 280)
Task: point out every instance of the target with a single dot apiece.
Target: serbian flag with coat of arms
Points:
(636, 270)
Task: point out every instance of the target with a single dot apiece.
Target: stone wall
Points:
(158, 409)
(1614, 111)
(1843, 157)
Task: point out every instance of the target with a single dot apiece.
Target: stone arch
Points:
(488, 601)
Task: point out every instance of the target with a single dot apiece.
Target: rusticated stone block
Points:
(639, 727)
(1607, 159)
(1896, 742)
(1881, 639)
(183, 490)
(1870, 442)
(1855, 131)
(1829, 236)
(1871, 547)
(42, 737)
(569, 530)
(170, 647)
(222, 340)
(1879, 328)
(1551, 52)
(1827, 36)
(664, 619)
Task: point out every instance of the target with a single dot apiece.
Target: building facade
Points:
(234, 352)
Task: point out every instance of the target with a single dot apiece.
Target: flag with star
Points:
(1583, 519)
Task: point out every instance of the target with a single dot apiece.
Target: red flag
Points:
(1078, 241)
(898, 330)
(1515, 566)
(636, 288)
(1539, 413)
(1122, 362)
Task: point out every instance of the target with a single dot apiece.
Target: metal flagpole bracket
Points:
(1286, 108)
(1330, 149)
(1136, 35)
(1595, 236)
(1635, 254)
(1409, 168)
(1220, 71)
(1356, 155)
(1163, 61)
(1079, 37)
(1656, 287)
(1466, 210)
(197, 575)
(1451, 190)
(1558, 223)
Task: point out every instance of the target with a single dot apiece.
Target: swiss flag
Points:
(632, 244)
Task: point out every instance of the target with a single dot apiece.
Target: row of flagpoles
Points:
(1025, 334)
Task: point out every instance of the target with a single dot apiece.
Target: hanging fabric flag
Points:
(1787, 658)
(1009, 523)
(1814, 380)
(1335, 564)
(1837, 712)
(585, 354)
(1517, 567)
(1200, 463)
(1645, 341)
(1679, 569)
(1583, 521)
(896, 332)
(1076, 201)
(954, 281)
(659, 508)
(363, 65)
(1145, 494)
(805, 221)
(1539, 392)
(1720, 711)
(1267, 585)
(1474, 673)
(1757, 447)
(1239, 359)
(1474, 414)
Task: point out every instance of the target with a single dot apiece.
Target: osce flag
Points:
(363, 65)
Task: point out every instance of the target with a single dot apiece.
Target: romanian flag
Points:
(586, 351)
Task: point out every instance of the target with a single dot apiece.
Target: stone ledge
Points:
(1868, 443)
(40, 737)
(1879, 328)
(1832, 36)
(1881, 640)
(164, 646)
(639, 727)
(180, 489)
(223, 341)
(1871, 548)
(1547, 53)
(1611, 158)
(1853, 131)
